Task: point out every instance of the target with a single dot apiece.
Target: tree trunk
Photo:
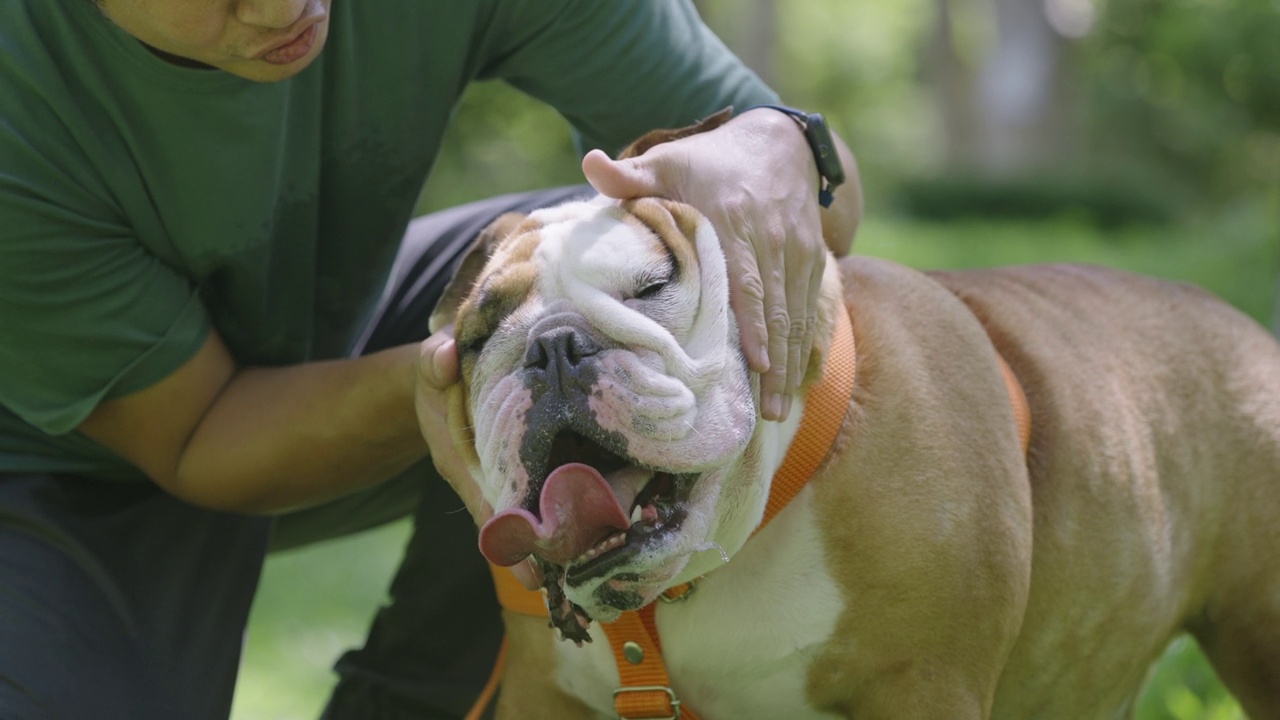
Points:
(749, 28)
(1005, 106)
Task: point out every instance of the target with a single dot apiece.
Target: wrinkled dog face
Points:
(607, 397)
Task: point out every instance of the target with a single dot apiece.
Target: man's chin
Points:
(264, 72)
(259, 70)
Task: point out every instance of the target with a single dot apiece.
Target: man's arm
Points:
(268, 439)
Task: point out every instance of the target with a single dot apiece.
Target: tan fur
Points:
(526, 693)
(1153, 489)
(460, 286)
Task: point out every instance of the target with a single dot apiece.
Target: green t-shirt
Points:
(142, 202)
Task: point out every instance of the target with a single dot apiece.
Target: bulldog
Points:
(931, 567)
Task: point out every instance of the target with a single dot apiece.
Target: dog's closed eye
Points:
(650, 290)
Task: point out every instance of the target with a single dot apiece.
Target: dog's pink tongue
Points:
(578, 510)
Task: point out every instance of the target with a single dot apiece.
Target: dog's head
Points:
(604, 396)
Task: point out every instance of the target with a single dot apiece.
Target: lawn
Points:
(316, 602)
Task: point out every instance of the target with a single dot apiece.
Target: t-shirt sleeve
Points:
(620, 68)
(86, 313)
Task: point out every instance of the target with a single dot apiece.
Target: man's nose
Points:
(274, 14)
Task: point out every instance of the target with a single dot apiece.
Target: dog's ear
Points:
(473, 262)
(657, 137)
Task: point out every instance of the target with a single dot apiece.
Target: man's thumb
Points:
(618, 179)
(438, 360)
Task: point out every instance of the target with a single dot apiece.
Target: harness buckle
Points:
(671, 695)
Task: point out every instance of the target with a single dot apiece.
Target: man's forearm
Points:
(840, 221)
(276, 439)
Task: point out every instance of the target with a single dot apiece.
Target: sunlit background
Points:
(1142, 134)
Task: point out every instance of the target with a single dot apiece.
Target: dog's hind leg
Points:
(1239, 628)
(1245, 651)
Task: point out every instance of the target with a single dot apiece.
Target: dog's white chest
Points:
(741, 645)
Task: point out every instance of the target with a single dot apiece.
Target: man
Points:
(200, 204)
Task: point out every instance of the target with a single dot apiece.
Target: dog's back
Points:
(1155, 474)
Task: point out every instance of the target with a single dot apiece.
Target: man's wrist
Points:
(821, 143)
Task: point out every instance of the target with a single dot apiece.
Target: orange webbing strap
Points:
(490, 687)
(825, 405)
(1018, 399)
(646, 688)
(516, 597)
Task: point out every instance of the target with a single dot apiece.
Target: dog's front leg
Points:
(927, 520)
(530, 690)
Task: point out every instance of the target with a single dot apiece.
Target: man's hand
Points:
(437, 374)
(755, 180)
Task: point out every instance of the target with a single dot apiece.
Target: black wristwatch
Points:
(818, 135)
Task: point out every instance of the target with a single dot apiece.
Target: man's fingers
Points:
(775, 401)
(746, 298)
(802, 295)
(437, 373)
(618, 179)
(438, 357)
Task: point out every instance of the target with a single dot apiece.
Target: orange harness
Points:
(646, 691)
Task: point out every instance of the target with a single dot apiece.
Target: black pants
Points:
(119, 601)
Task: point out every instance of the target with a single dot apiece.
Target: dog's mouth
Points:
(591, 515)
(654, 502)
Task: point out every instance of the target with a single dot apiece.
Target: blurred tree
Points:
(1001, 73)
(750, 27)
(1193, 87)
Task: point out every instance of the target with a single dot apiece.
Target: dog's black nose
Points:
(562, 348)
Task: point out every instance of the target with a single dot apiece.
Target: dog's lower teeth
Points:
(602, 547)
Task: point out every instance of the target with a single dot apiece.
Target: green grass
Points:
(316, 602)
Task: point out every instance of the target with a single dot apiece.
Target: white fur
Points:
(747, 662)
(671, 377)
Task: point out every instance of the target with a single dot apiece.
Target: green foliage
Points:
(313, 604)
(1106, 200)
(1184, 687)
(1192, 86)
(859, 62)
(500, 141)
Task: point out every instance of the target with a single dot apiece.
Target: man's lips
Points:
(293, 48)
